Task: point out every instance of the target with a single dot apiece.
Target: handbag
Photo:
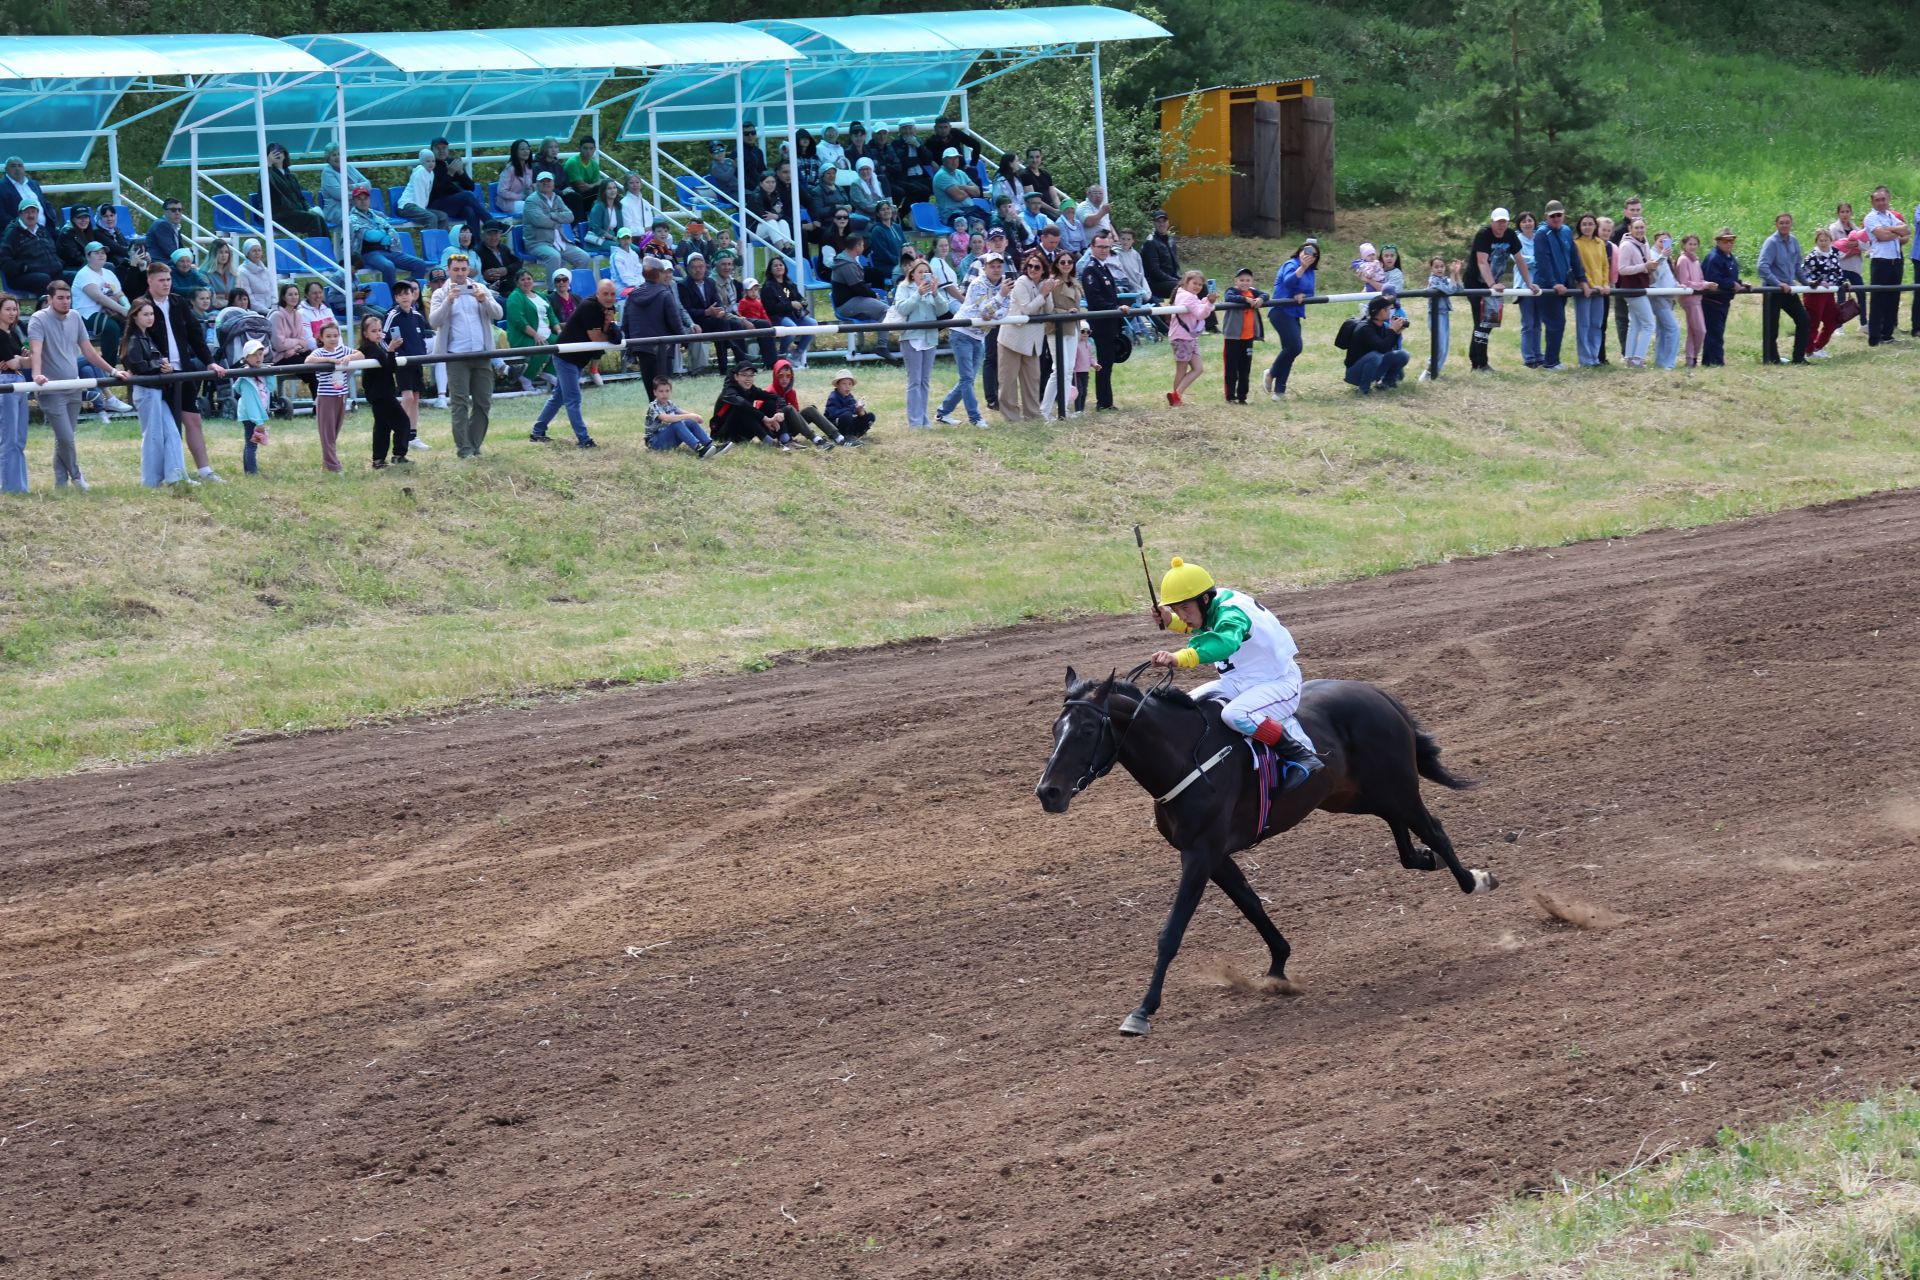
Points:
(1849, 309)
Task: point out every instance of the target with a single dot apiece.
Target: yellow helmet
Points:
(1184, 582)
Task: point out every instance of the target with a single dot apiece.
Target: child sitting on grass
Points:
(669, 426)
(784, 388)
(847, 412)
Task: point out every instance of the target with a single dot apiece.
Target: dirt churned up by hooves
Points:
(400, 1002)
(1581, 915)
(1233, 978)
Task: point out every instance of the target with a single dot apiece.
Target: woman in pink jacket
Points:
(1686, 269)
(1184, 331)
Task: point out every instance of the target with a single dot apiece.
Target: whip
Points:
(1152, 595)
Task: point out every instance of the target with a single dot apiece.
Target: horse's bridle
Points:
(1096, 771)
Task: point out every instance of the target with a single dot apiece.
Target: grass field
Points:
(1828, 1196)
(137, 623)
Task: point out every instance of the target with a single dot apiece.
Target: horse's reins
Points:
(1097, 771)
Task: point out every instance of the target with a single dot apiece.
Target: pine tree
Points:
(1532, 120)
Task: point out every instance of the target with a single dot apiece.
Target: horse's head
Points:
(1085, 745)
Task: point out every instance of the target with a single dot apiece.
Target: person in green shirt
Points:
(529, 324)
(583, 179)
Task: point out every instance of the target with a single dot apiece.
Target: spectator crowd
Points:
(887, 227)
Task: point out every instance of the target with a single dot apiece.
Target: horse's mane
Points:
(1166, 693)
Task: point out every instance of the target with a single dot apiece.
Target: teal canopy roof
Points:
(50, 116)
(880, 67)
(490, 87)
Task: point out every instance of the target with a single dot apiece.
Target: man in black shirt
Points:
(1103, 294)
(1374, 354)
(1497, 245)
(708, 310)
(499, 264)
(592, 321)
(1160, 258)
(910, 168)
(1036, 178)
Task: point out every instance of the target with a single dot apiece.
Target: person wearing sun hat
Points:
(846, 411)
(1722, 270)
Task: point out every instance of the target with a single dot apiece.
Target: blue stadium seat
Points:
(290, 257)
(811, 276)
(433, 243)
(584, 282)
(926, 218)
(377, 199)
(517, 242)
(379, 297)
(231, 213)
(321, 253)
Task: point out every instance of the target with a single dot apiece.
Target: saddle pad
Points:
(1270, 774)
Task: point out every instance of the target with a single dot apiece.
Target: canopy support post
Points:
(350, 336)
(266, 189)
(113, 165)
(653, 152)
(794, 206)
(1099, 124)
(747, 266)
(193, 179)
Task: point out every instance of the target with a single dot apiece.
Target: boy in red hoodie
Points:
(782, 386)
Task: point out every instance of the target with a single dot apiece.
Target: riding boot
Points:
(1290, 749)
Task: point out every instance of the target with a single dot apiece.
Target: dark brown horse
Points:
(1207, 797)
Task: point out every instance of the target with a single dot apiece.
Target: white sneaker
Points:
(1819, 355)
(190, 482)
(80, 483)
(207, 473)
(113, 404)
(1422, 377)
(439, 402)
(419, 444)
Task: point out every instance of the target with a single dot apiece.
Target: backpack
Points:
(1343, 338)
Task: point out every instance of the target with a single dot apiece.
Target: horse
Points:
(1374, 755)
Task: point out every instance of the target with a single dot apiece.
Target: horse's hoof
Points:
(1484, 881)
(1135, 1025)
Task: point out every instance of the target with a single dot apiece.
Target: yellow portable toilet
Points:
(1277, 138)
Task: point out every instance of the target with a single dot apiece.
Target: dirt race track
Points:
(362, 1004)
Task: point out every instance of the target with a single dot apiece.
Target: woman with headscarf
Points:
(256, 277)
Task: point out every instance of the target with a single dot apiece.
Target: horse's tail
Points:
(1426, 752)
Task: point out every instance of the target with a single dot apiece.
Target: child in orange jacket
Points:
(1241, 329)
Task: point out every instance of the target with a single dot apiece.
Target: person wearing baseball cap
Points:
(624, 262)
(1722, 270)
(909, 167)
(955, 192)
(1494, 247)
(1556, 270)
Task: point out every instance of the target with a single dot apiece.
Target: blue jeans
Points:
(919, 379)
(566, 391)
(13, 438)
(1287, 329)
(1442, 331)
(967, 353)
(1639, 328)
(1553, 327)
(1530, 332)
(679, 433)
(1590, 327)
(795, 349)
(390, 261)
(1666, 334)
(1381, 367)
(461, 206)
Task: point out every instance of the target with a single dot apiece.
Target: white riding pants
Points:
(1246, 708)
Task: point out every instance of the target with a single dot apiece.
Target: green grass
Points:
(136, 624)
(1826, 1196)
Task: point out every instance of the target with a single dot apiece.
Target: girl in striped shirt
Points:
(330, 397)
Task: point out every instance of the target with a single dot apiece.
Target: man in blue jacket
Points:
(1722, 271)
(1780, 267)
(1556, 268)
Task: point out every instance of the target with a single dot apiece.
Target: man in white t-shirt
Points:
(1889, 234)
(1094, 211)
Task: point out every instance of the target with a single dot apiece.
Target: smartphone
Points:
(1213, 286)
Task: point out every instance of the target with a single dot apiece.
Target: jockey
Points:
(1249, 648)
